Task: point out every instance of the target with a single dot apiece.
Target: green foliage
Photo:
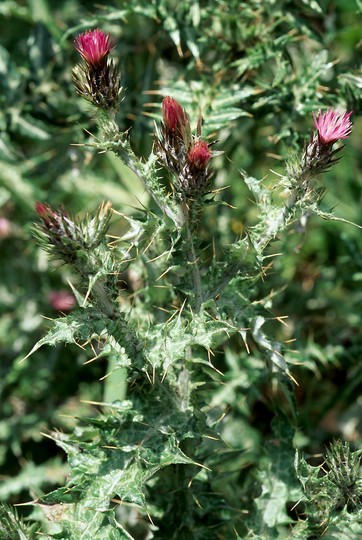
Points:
(333, 500)
(13, 528)
(177, 409)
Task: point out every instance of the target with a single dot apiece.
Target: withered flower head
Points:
(67, 237)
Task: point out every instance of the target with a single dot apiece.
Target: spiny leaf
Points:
(217, 107)
(279, 485)
(64, 330)
(167, 343)
(13, 528)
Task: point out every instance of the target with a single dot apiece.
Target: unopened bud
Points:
(185, 156)
(46, 213)
(199, 155)
(174, 116)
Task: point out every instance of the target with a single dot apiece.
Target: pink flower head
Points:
(61, 300)
(5, 227)
(332, 126)
(199, 154)
(174, 116)
(93, 46)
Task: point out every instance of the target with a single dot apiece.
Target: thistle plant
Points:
(332, 492)
(97, 79)
(331, 126)
(185, 156)
(155, 454)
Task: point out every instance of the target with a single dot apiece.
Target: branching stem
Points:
(268, 236)
(119, 144)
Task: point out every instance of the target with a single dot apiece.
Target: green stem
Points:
(192, 259)
(146, 172)
(105, 303)
(232, 271)
(266, 238)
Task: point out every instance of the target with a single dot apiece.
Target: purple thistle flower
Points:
(5, 227)
(97, 79)
(318, 153)
(93, 46)
(332, 126)
(61, 300)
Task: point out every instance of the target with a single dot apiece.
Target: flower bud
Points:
(199, 155)
(46, 213)
(184, 155)
(174, 116)
(195, 176)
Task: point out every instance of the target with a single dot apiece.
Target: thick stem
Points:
(179, 522)
(105, 303)
(192, 259)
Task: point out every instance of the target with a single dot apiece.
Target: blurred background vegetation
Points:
(255, 70)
